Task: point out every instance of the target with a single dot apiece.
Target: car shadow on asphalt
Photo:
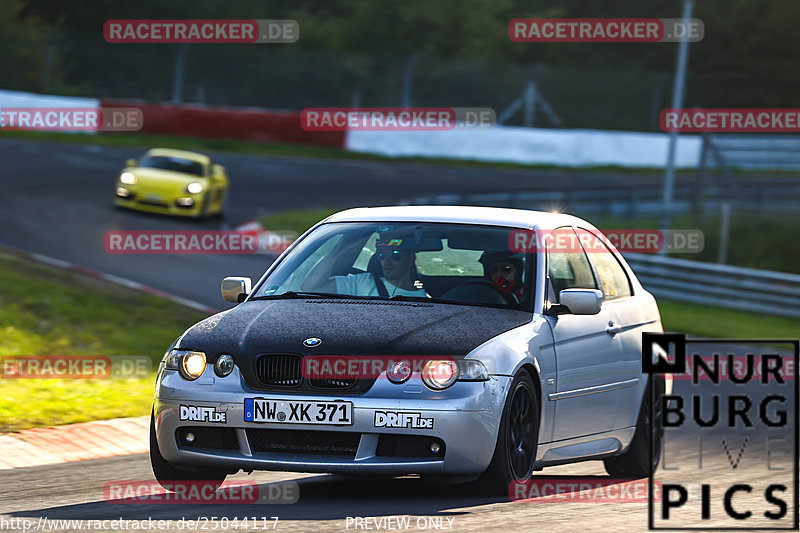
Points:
(323, 497)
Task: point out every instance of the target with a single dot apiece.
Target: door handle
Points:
(613, 329)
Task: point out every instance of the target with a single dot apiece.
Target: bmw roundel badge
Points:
(313, 342)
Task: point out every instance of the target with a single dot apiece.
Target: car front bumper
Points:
(164, 206)
(465, 420)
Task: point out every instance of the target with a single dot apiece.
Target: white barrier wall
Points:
(20, 99)
(573, 148)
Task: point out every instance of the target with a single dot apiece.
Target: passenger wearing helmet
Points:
(504, 269)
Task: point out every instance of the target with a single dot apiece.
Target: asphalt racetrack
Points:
(57, 201)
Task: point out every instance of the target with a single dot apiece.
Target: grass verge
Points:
(48, 311)
(711, 321)
(297, 221)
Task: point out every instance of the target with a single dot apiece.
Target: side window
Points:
(567, 267)
(613, 280)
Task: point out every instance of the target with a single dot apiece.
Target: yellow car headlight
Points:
(194, 187)
(128, 178)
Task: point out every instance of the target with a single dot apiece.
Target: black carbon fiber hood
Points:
(348, 327)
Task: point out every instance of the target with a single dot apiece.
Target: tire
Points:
(635, 463)
(517, 438)
(167, 474)
(204, 210)
(223, 208)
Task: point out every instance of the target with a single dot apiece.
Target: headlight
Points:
(470, 370)
(128, 178)
(440, 374)
(398, 371)
(191, 364)
(194, 187)
(223, 365)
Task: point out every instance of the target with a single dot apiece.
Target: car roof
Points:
(169, 152)
(491, 216)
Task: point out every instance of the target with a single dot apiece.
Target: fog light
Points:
(190, 438)
(435, 447)
(185, 202)
(224, 365)
(123, 192)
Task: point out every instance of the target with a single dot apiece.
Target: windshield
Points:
(433, 262)
(177, 164)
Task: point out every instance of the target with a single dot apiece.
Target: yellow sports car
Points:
(173, 182)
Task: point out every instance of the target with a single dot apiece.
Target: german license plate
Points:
(298, 412)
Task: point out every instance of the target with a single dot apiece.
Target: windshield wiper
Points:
(300, 294)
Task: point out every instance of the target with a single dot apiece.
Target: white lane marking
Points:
(51, 261)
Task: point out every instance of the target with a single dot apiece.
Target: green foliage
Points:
(746, 58)
(23, 47)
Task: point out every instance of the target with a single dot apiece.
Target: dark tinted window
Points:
(176, 164)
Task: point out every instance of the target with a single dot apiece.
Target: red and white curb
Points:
(75, 442)
(268, 241)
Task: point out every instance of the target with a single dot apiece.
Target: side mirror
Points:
(578, 302)
(130, 163)
(235, 289)
(217, 171)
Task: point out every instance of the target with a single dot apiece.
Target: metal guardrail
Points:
(745, 289)
(751, 151)
(781, 196)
